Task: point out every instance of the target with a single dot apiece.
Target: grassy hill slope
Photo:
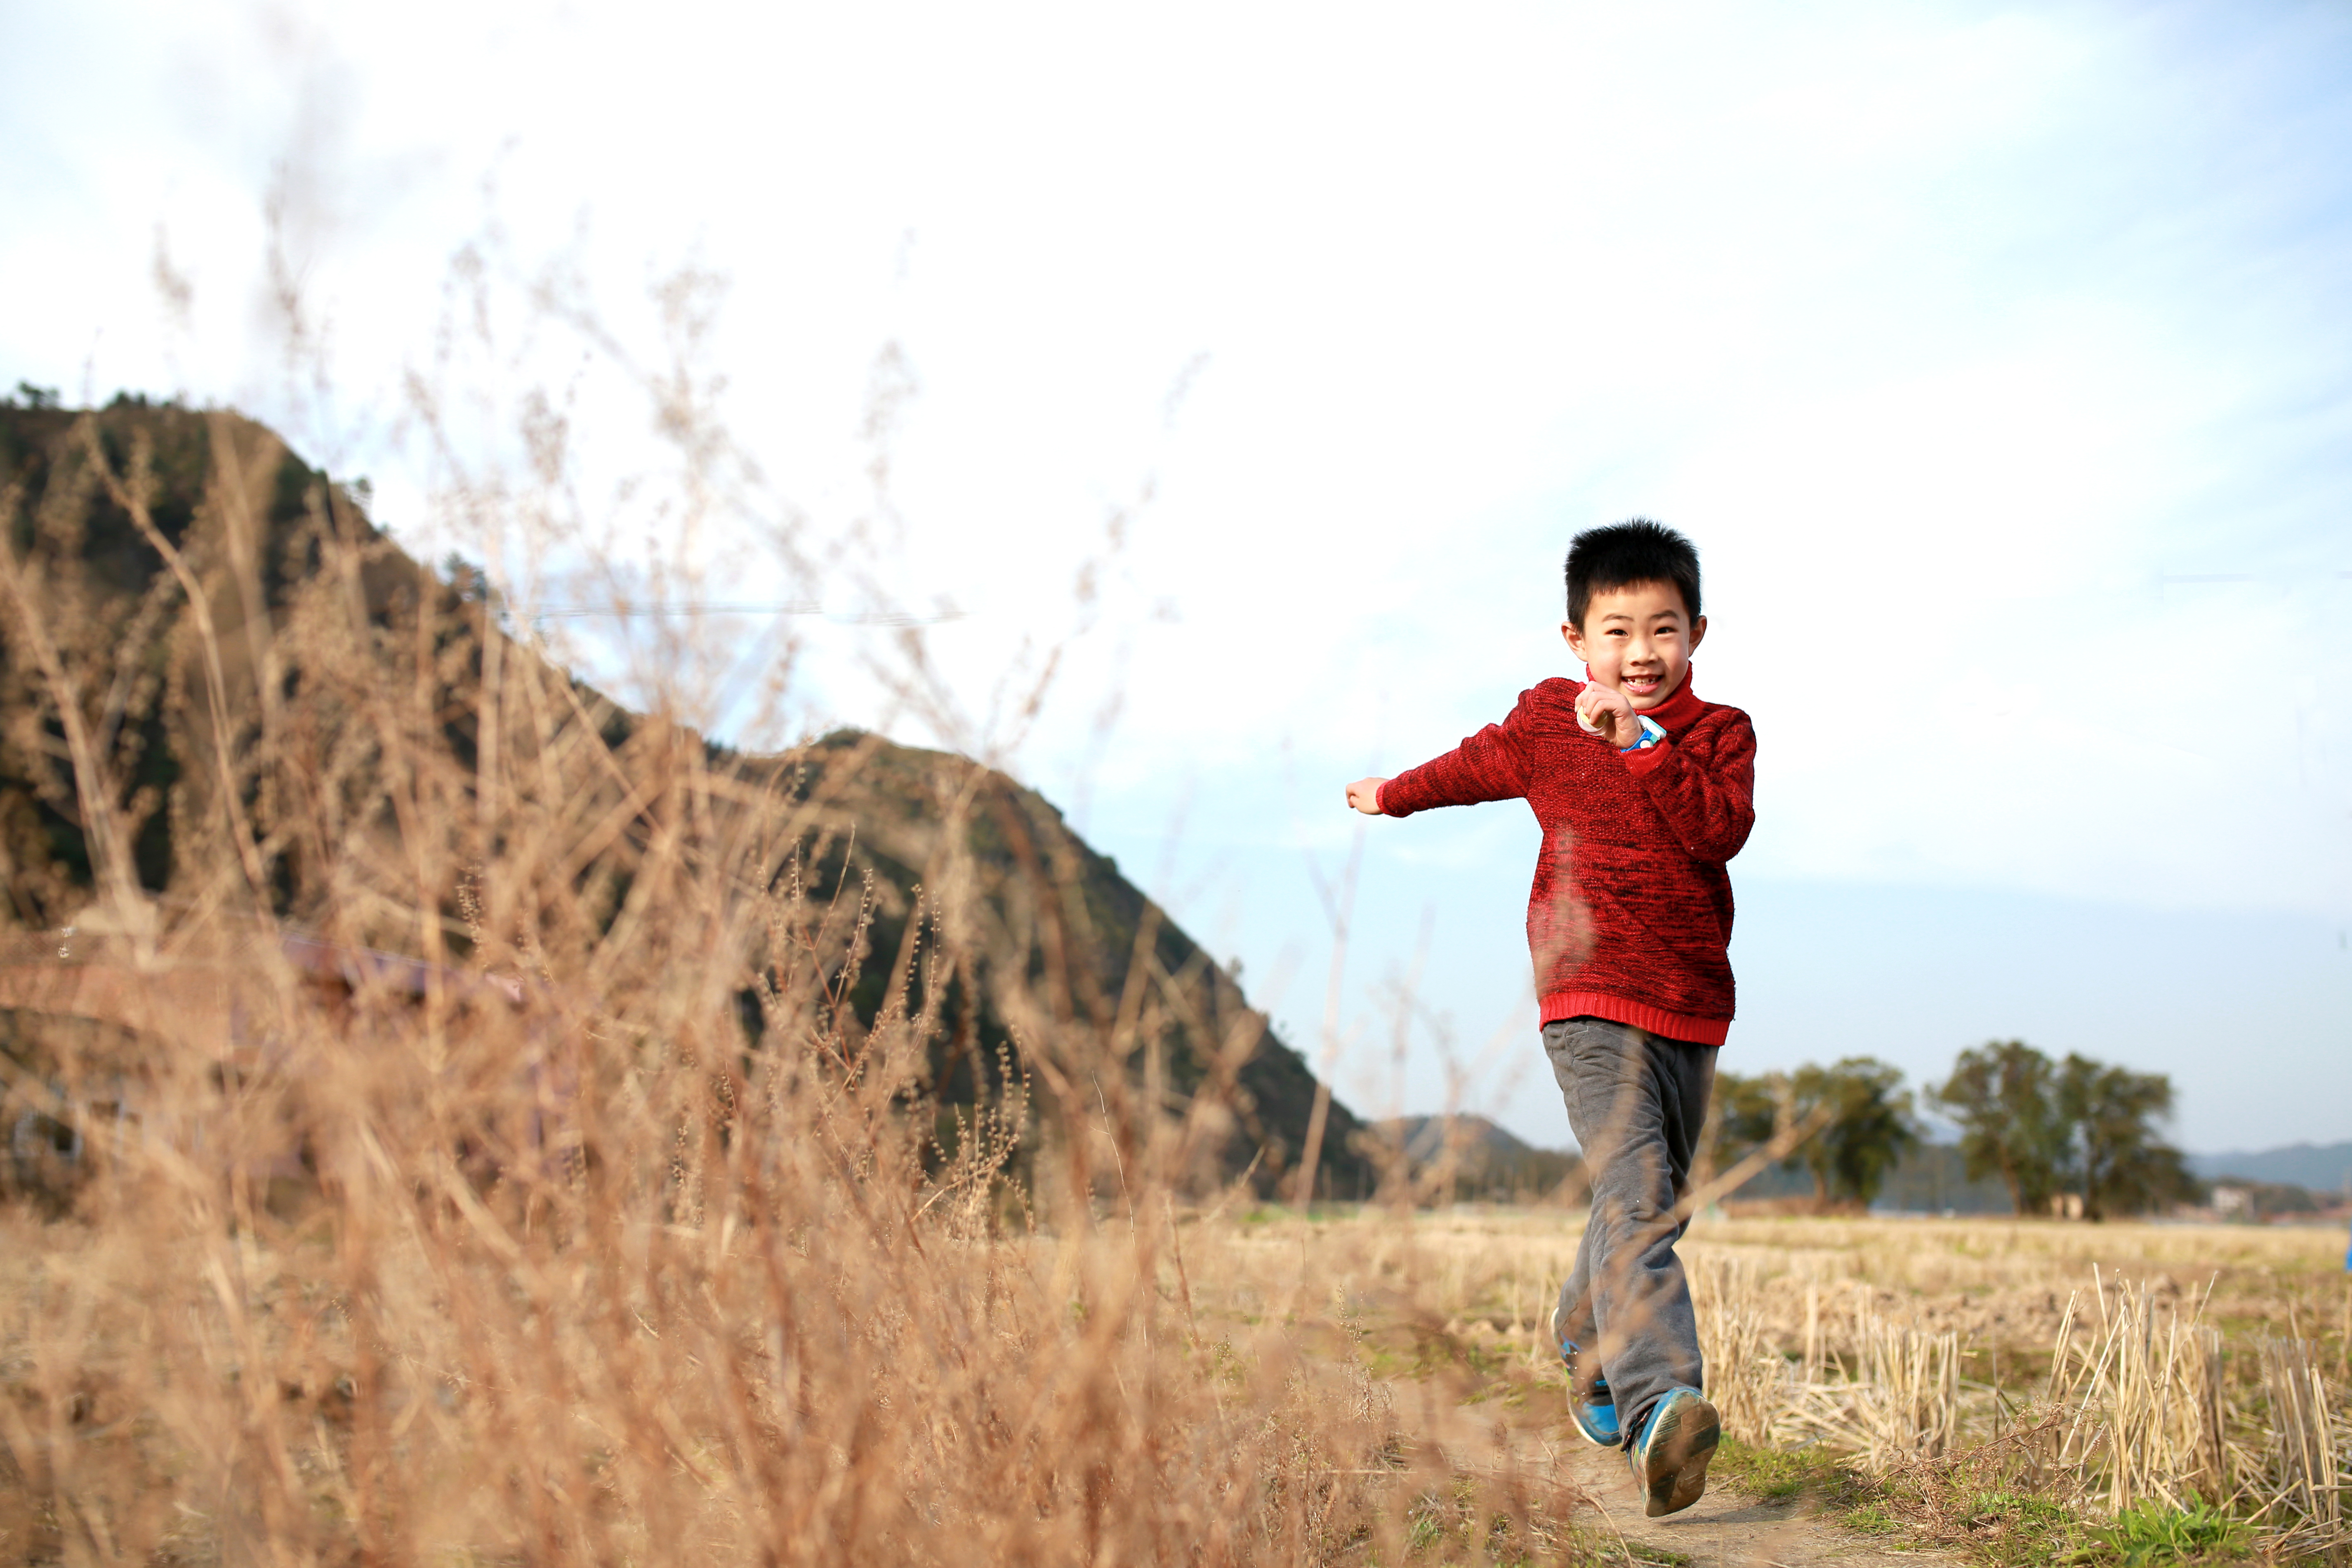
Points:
(256, 638)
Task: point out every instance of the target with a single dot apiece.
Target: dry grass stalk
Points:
(1746, 1378)
(1916, 1374)
(2145, 1401)
(1901, 1402)
(1815, 1358)
(2208, 1394)
(1897, 1399)
(2306, 1493)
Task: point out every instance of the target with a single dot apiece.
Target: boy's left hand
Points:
(1608, 714)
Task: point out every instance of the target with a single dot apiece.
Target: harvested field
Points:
(1978, 1383)
(1392, 1363)
(469, 1121)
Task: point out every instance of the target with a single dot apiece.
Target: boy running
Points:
(1643, 792)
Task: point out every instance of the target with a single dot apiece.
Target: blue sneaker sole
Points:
(1595, 1420)
(1596, 1424)
(1671, 1462)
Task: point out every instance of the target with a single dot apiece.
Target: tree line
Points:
(2049, 1129)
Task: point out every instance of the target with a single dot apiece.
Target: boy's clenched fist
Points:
(1608, 714)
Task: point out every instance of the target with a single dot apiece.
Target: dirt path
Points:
(1723, 1528)
(1515, 1422)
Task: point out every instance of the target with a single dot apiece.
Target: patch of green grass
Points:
(1425, 1532)
(2007, 1527)
(1465, 1520)
(1996, 1517)
(1402, 1351)
(2151, 1533)
(1225, 1364)
(2014, 1528)
(1583, 1544)
(1779, 1475)
(1618, 1551)
(1871, 1519)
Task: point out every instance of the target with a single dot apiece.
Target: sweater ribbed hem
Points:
(1650, 1019)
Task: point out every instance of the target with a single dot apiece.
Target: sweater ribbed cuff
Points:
(1657, 1021)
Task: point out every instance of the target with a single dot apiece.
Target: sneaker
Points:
(1670, 1450)
(1592, 1411)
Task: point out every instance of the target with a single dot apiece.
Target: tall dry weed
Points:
(507, 1139)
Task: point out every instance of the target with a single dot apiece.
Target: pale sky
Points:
(2000, 361)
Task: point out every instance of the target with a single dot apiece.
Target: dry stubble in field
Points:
(2013, 1386)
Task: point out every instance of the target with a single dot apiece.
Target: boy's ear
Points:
(1698, 633)
(1573, 635)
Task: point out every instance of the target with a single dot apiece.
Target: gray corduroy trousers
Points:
(1636, 1104)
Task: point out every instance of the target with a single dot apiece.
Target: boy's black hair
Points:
(1623, 554)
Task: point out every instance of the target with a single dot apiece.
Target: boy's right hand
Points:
(1364, 795)
(1606, 712)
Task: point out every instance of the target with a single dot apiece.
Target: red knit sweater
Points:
(1630, 912)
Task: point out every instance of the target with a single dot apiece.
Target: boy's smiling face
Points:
(1637, 639)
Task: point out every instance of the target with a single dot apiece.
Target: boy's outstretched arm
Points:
(1486, 766)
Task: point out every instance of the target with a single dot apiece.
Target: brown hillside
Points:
(224, 623)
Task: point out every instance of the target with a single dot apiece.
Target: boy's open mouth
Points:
(1640, 686)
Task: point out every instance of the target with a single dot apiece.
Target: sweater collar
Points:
(1678, 710)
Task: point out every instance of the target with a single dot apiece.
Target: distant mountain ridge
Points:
(2321, 1168)
(1488, 1160)
(1932, 1178)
